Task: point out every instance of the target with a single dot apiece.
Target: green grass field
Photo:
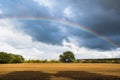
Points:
(59, 71)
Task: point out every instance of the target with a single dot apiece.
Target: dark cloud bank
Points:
(101, 16)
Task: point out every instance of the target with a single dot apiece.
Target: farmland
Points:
(60, 71)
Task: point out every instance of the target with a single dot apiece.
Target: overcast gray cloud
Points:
(101, 17)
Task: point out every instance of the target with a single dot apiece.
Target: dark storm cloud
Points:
(22, 8)
(50, 33)
(44, 31)
(111, 5)
(101, 16)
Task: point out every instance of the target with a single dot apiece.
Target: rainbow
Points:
(65, 22)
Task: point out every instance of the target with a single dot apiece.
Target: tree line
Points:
(109, 60)
(66, 57)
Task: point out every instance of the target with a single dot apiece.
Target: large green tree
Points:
(67, 56)
(16, 58)
(10, 58)
(4, 57)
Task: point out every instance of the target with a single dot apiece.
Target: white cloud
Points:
(46, 3)
(1, 12)
(49, 4)
(85, 53)
(14, 41)
(68, 12)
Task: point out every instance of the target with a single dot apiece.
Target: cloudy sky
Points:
(44, 29)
